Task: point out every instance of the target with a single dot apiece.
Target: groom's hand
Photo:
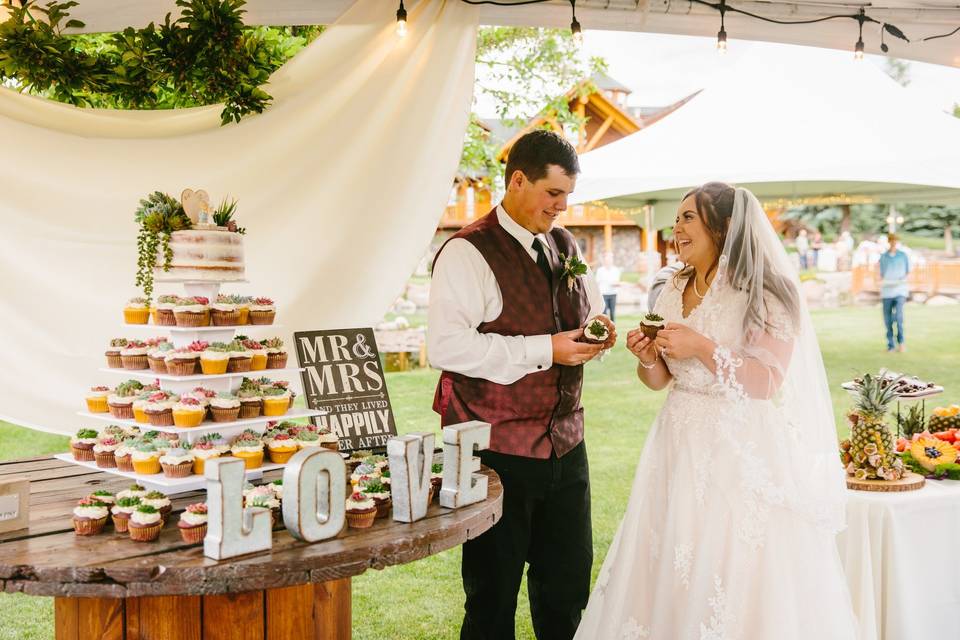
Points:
(567, 351)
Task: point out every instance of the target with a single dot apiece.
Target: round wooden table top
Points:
(48, 559)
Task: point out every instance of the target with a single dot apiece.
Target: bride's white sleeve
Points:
(756, 368)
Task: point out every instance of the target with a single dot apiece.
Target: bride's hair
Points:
(715, 202)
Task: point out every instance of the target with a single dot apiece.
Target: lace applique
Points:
(723, 619)
(727, 365)
(701, 474)
(633, 630)
(682, 561)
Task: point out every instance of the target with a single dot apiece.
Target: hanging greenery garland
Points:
(206, 56)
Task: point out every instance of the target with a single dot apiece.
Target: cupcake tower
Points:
(198, 387)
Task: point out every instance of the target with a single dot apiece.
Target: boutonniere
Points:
(572, 269)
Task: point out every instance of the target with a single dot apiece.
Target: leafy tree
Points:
(899, 70)
(932, 221)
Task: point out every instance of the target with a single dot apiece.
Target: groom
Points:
(505, 326)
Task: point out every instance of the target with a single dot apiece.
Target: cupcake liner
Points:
(89, 527)
(361, 520)
(84, 455)
(157, 365)
(191, 319)
(262, 317)
(223, 414)
(165, 318)
(250, 410)
(383, 507)
(136, 316)
(258, 362)
(188, 420)
(244, 315)
(280, 457)
(225, 318)
(240, 365)
(114, 361)
(648, 331)
(161, 419)
(97, 405)
(124, 463)
(122, 412)
(145, 534)
(193, 535)
(182, 367)
(134, 363)
(140, 415)
(275, 407)
(276, 360)
(213, 367)
(120, 522)
(177, 470)
(106, 460)
(254, 461)
(147, 467)
(199, 465)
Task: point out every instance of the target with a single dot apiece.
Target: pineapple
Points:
(912, 422)
(871, 453)
(944, 418)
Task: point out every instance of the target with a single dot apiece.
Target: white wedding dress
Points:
(729, 533)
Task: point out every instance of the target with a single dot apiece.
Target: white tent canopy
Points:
(918, 19)
(788, 125)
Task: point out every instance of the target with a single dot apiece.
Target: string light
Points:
(575, 25)
(401, 21)
(722, 36)
(858, 48)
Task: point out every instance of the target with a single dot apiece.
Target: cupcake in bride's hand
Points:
(651, 325)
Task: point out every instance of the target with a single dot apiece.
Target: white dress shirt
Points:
(465, 293)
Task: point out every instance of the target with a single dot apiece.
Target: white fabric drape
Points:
(340, 185)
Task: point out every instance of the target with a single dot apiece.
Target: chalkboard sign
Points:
(342, 375)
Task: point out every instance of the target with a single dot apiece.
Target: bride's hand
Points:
(678, 341)
(641, 346)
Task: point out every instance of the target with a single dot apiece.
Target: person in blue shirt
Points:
(894, 290)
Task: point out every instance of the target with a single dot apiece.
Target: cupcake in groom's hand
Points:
(600, 330)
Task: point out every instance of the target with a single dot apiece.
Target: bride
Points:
(730, 528)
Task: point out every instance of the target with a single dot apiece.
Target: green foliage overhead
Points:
(206, 56)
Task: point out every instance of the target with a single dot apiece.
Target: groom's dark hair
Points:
(536, 150)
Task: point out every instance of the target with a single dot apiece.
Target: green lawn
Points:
(424, 600)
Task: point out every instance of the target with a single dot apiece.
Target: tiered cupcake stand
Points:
(182, 337)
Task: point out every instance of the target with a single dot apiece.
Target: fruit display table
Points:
(108, 587)
(899, 555)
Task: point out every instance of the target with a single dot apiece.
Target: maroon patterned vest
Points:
(540, 412)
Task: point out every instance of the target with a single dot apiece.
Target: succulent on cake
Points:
(223, 216)
(870, 454)
(158, 216)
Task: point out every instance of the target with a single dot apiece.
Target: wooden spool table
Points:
(109, 587)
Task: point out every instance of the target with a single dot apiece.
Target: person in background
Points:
(608, 279)
(816, 245)
(803, 248)
(894, 269)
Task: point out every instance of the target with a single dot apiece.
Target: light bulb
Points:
(858, 50)
(577, 33)
(722, 41)
(401, 21)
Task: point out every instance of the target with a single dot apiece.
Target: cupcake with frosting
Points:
(277, 487)
(203, 394)
(113, 431)
(276, 401)
(113, 353)
(158, 501)
(136, 311)
(163, 311)
(224, 311)
(145, 524)
(183, 362)
(193, 523)
(89, 517)
(436, 479)
(224, 407)
(265, 497)
(364, 471)
(123, 456)
(307, 439)
(192, 312)
(262, 311)
(203, 451)
(103, 496)
(266, 383)
(104, 453)
(177, 463)
(251, 401)
(361, 511)
(281, 447)
(328, 439)
(159, 408)
(385, 478)
(145, 458)
(651, 325)
(134, 356)
(215, 358)
(380, 493)
(241, 359)
(188, 412)
(276, 354)
(250, 450)
(157, 356)
(122, 510)
(120, 402)
(597, 329)
(133, 491)
(81, 445)
(97, 399)
(258, 354)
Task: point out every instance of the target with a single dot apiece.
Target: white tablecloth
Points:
(901, 554)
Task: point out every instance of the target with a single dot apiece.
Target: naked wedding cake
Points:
(203, 254)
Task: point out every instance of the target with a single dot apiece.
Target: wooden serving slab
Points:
(910, 482)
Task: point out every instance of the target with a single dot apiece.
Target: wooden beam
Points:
(599, 133)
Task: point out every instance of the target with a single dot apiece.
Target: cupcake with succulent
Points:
(597, 329)
(276, 401)
(251, 400)
(97, 399)
(157, 356)
(224, 311)
(163, 314)
(258, 354)
(121, 400)
(159, 408)
(113, 353)
(243, 308)
(265, 497)
(89, 517)
(158, 501)
(104, 452)
(188, 412)
(137, 311)
(145, 457)
(123, 456)
(145, 524)
(104, 496)
(215, 358)
(202, 451)
(193, 523)
(361, 510)
(134, 355)
(133, 491)
(225, 407)
(192, 312)
(248, 448)
(281, 446)
(121, 512)
(364, 471)
(380, 493)
(177, 463)
(651, 324)
(262, 311)
(183, 362)
(82, 443)
(276, 353)
(241, 359)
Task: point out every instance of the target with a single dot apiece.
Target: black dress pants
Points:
(546, 524)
